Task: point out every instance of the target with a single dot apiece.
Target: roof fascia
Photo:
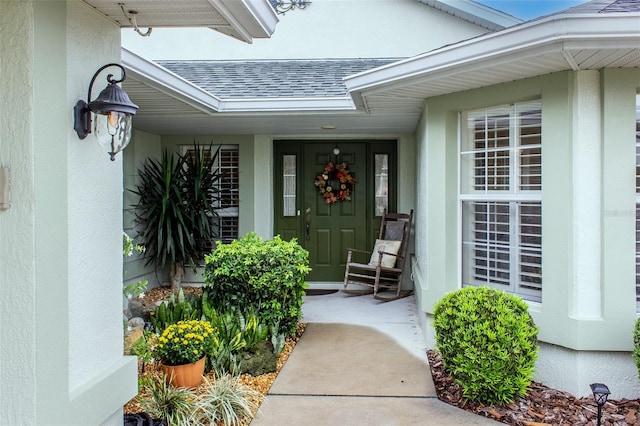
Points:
(475, 13)
(250, 18)
(167, 82)
(288, 104)
(558, 32)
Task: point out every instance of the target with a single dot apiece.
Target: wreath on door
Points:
(335, 183)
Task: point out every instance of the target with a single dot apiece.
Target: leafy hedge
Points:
(265, 275)
(488, 343)
(636, 345)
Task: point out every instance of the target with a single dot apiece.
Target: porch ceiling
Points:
(241, 19)
(164, 113)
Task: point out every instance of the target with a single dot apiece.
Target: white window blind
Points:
(229, 201)
(227, 204)
(500, 194)
(381, 182)
(289, 178)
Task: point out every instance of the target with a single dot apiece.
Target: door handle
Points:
(307, 223)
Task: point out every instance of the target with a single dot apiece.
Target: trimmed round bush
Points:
(488, 343)
(636, 345)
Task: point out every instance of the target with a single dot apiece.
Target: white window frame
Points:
(511, 195)
(637, 230)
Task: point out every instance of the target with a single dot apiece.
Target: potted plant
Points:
(181, 349)
(177, 199)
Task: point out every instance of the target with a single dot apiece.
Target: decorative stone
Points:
(136, 307)
(135, 322)
(259, 360)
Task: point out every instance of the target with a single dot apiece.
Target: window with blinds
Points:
(227, 203)
(500, 195)
(638, 202)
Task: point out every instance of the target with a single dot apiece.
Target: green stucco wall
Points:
(562, 316)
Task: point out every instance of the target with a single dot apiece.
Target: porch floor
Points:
(359, 362)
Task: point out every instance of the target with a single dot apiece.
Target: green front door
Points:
(328, 229)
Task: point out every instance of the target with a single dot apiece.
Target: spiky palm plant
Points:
(176, 204)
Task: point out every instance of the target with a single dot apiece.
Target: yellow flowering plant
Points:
(184, 342)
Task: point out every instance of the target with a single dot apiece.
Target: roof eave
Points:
(167, 82)
(476, 13)
(317, 104)
(555, 33)
(249, 18)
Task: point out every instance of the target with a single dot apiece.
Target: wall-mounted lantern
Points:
(113, 114)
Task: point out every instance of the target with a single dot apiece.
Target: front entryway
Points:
(346, 215)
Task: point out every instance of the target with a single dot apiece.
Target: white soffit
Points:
(241, 19)
(162, 91)
(556, 43)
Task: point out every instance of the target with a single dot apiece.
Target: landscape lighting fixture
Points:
(113, 114)
(600, 394)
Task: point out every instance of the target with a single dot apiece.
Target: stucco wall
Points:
(60, 242)
(17, 266)
(143, 145)
(94, 191)
(588, 306)
(326, 29)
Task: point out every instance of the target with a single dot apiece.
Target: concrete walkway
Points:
(359, 362)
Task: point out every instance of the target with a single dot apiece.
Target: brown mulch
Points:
(261, 383)
(541, 406)
(157, 294)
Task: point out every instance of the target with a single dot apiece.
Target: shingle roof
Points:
(605, 6)
(272, 79)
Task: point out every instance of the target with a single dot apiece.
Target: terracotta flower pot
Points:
(186, 375)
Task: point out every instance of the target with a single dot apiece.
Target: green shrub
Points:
(142, 348)
(488, 343)
(267, 276)
(636, 344)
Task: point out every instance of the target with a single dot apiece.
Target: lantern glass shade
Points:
(113, 131)
(111, 111)
(600, 393)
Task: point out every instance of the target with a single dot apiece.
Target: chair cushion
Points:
(389, 246)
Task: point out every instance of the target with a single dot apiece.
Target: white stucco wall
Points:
(325, 29)
(17, 266)
(60, 242)
(94, 191)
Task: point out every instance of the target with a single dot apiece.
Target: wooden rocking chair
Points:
(386, 265)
